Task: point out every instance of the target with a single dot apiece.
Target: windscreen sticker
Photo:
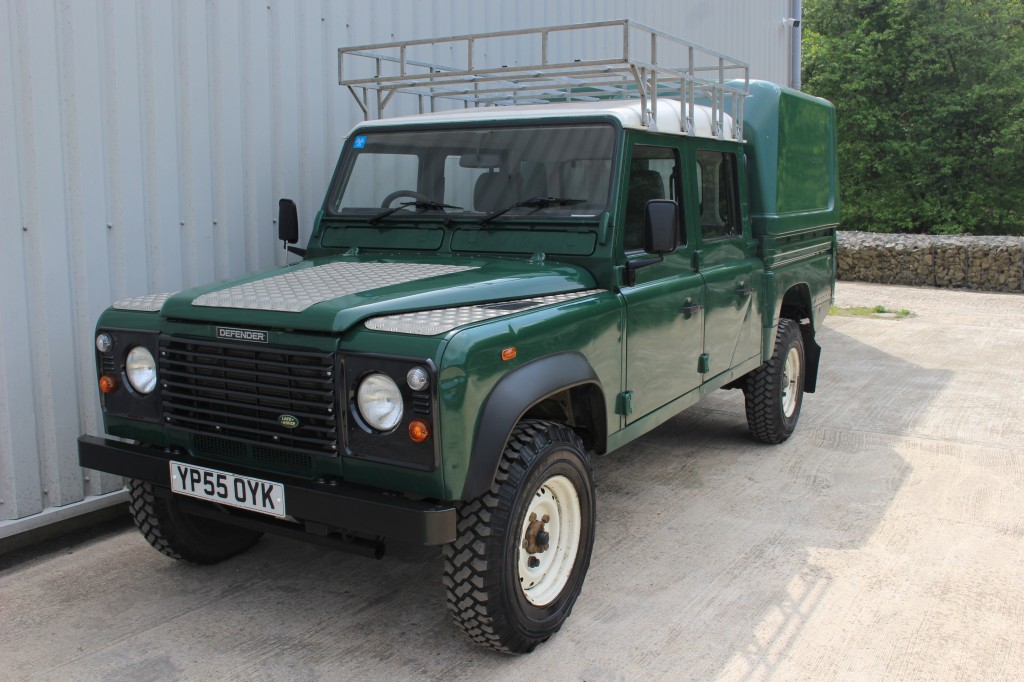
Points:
(360, 142)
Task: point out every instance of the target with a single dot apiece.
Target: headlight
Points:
(380, 402)
(140, 368)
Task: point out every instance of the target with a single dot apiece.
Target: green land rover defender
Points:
(491, 295)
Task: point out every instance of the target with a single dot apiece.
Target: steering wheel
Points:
(403, 193)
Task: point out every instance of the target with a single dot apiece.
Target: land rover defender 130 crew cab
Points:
(491, 295)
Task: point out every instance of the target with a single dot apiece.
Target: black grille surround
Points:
(248, 394)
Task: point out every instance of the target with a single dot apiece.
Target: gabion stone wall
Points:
(966, 262)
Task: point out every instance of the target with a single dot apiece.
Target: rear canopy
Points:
(791, 151)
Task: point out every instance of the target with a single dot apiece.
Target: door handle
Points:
(690, 308)
(742, 290)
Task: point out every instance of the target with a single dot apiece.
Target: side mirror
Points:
(661, 218)
(287, 221)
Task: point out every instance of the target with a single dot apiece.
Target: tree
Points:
(929, 96)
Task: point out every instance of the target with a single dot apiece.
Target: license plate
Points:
(254, 494)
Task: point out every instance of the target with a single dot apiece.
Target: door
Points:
(728, 263)
(664, 320)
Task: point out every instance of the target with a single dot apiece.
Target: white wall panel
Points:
(144, 145)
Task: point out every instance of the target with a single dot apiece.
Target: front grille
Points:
(241, 393)
(257, 456)
(220, 448)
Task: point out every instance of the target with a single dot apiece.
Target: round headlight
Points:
(140, 368)
(380, 402)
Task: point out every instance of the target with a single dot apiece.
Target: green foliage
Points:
(929, 96)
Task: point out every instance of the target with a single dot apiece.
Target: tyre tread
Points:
(179, 536)
(471, 582)
(761, 395)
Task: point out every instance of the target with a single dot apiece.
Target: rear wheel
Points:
(513, 574)
(183, 536)
(775, 391)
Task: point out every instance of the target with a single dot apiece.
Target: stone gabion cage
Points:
(964, 262)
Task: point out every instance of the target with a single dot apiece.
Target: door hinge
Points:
(704, 363)
(624, 403)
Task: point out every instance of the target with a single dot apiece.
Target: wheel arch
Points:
(796, 306)
(540, 388)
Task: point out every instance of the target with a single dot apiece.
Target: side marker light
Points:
(508, 354)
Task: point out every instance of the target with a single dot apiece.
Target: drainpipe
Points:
(796, 36)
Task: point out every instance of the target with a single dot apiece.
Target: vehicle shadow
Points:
(711, 559)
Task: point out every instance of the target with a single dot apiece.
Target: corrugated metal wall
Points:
(143, 147)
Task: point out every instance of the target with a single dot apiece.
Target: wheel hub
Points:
(552, 526)
(536, 539)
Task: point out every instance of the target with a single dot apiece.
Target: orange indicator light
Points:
(508, 354)
(108, 384)
(418, 430)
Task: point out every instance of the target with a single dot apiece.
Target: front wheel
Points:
(775, 391)
(523, 548)
(182, 536)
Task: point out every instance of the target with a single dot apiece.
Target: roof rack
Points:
(650, 64)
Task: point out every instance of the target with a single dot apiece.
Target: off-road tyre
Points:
(772, 394)
(183, 536)
(482, 568)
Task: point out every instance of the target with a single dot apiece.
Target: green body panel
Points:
(658, 372)
(791, 149)
(696, 321)
(472, 365)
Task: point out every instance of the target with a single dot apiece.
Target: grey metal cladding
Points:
(147, 304)
(295, 291)
(431, 322)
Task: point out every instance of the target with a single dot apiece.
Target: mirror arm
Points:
(633, 265)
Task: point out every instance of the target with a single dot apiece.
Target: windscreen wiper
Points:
(421, 203)
(536, 202)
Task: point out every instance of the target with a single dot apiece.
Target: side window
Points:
(719, 208)
(653, 174)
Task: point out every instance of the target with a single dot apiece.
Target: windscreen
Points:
(478, 171)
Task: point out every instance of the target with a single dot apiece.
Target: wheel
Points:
(402, 193)
(774, 392)
(517, 566)
(183, 536)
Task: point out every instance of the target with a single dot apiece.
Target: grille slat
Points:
(266, 405)
(212, 425)
(239, 392)
(242, 375)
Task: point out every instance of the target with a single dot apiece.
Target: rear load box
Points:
(791, 157)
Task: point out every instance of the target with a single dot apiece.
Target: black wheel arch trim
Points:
(509, 400)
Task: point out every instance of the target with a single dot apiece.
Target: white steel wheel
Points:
(790, 382)
(523, 548)
(549, 541)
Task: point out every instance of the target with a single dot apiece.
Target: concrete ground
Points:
(882, 541)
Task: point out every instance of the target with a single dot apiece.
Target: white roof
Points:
(626, 111)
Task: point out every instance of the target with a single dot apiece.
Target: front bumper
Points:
(319, 508)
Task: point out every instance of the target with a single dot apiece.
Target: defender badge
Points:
(250, 335)
(288, 421)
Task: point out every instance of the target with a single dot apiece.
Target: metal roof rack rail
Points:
(645, 65)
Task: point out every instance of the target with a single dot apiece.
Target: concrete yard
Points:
(885, 540)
